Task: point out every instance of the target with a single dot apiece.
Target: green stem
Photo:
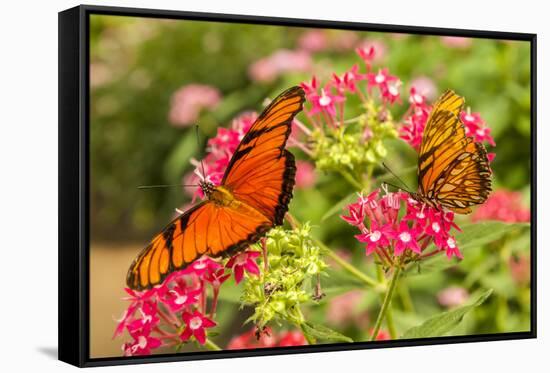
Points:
(350, 179)
(386, 303)
(211, 345)
(352, 269)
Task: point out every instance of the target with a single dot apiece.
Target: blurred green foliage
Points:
(137, 64)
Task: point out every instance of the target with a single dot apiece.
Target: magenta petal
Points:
(186, 334)
(153, 342)
(200, 335)
(252, 267)
(239, 272)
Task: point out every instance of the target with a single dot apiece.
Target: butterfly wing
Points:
(452, 169)
(260, 176)
(261, 172)
(206, 228)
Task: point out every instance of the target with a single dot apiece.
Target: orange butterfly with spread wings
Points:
(253, 197)
(453, 169)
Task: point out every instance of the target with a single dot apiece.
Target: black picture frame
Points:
(74, 184)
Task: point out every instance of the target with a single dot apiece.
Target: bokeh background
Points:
(144, 74)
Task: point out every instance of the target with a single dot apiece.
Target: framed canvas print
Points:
(234, 186)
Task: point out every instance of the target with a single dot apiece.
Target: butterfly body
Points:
(252, 198)
(453, 170)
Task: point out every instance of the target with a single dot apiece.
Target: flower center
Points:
(451, 243)
(393, 90)
(379, 78)
(436, 228)
(469, 118)
(417, 98)
(200, 265)
(420, 215)
(405, 237)
(142, 341)
(240, 260)
(181, 299)
(324, 100)
(195, 323)
(375, 236)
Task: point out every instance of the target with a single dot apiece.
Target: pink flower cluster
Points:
(220, 149)
(282, 61)
(189, 100)
(327, 102)
(391, 236)
(503, 205)
(267, 338)
(176, 311)
(417, 115)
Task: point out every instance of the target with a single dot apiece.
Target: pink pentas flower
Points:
(189, 100)
(405, 238)
(314, 41)
(377, 237)
(356, 215)
(245, 261)
(348, 81)
(391, 233)
(476, 127)
(367, 54)
(180, 297)
(305, 174)
(142, 343)
(503, 205)
(216, 277)
(292, 338)
(195, 325)
(325, 101)
(456, 42)
(452, 296)
(282, 61)
(378, 47)
(424, 87)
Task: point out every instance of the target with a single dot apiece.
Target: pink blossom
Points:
(348, 81)
(242, 262)
(282, 61)
(292, 338)
(378, 236)
(220, 149)
(456, 42)
(367, 55)
(142, 343)
(305, 175)
(453, 296)
(195, 325)
(325, 102)
(266, 338)
(382, 335)
(405, 239)
(379, 48)
(342, 308)
(425, 87)
(476, 127)
(390, 233)
(188, 101)
(503, 205)
(313, 40)
(344, 40)
(180, 297)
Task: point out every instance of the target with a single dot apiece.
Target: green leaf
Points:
(472, 235)
(438, 325)
(339, 206)
(478, 234)
(316, 331)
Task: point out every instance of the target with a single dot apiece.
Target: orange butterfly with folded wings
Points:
(253, 197)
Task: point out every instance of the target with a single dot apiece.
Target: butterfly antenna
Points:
(165, 186)
(397, 177)
(198, 147)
